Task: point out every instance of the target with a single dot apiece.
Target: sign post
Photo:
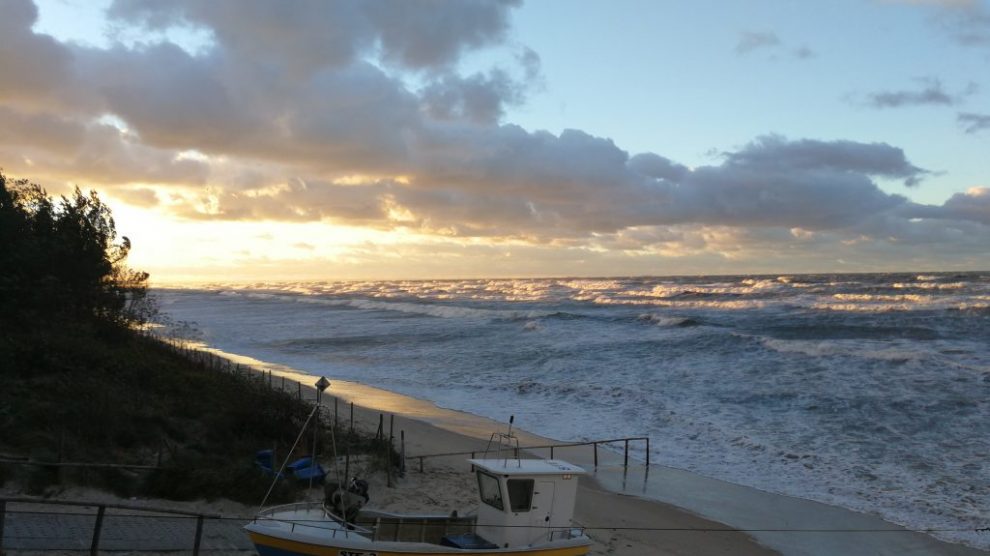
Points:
(320, 385)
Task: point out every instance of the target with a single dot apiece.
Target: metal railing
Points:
(551, 447)
(83, 529)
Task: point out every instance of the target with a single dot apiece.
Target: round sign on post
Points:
(322, 384)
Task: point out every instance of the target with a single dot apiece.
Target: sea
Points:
(866, 391)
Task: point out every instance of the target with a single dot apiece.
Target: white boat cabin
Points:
(525, 501)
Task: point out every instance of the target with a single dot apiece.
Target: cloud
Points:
(478, 98)
(339, 112)
(973, 122)
(966, 21)
(139, 197)
(750, 41)
(972, 205)
(755, 40)
(312, 35)
(543, 187)
(932, 93)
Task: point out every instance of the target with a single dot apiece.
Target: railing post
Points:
(625, 462)
(551, 452)
(596, 454)
(647, 451)
(199, 535)
(94, 547)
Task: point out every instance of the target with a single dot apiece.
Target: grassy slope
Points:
(108, 395)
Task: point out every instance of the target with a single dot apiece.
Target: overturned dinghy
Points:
(525, 509)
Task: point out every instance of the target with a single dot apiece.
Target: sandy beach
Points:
(619, 506)
(616, 522)
(626, 512)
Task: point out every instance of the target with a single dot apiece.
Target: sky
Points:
(251, 140)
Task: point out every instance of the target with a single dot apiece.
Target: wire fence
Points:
(48, 525)
(39, 525)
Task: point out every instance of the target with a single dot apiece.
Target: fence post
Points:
(335, 400)
(551, 452)
(402, 453)
(94, 548)
(625, 461)
(3, 516)
(596, 454)
(647, 451)
(420, 470)
(199, 534)
(388, 451)
(352, 418)
(299, 389)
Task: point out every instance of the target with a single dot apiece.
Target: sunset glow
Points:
(257, 141)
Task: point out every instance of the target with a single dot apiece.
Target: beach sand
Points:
(617, 504)
(617, 523)
(622, 519)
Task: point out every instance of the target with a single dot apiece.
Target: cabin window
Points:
(520, 494)
(490, 490)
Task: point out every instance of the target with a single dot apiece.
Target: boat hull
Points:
(268, 545)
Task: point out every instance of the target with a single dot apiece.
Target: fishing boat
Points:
(525, 508)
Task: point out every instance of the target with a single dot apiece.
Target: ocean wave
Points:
(671, 321)
(891, 351)
(866, 391)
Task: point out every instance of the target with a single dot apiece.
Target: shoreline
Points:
(674, 498)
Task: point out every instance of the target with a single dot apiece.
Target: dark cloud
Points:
(310, 35)
(36, 68)
(754, 40)
(932, 93)
(973, 122)
(478, 98)
(541, 186)
(972, 205)
(873, 159)
(40, 130)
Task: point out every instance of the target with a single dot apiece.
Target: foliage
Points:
(63, 258)
(73, 391)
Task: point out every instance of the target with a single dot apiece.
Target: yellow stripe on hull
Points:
(290, 547)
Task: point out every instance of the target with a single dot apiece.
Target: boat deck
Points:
(313, 520)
